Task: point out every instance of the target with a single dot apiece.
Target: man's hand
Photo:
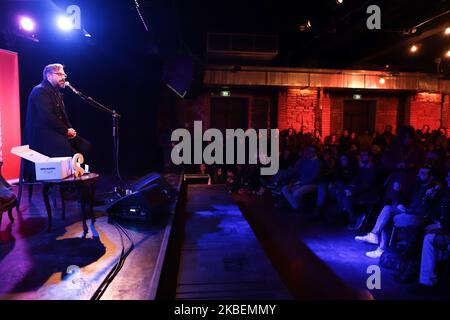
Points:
(401, 208)
(348, 193)
(71, 133)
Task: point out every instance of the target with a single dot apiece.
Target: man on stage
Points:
(48, 128)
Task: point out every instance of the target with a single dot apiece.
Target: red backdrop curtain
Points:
(9, 113)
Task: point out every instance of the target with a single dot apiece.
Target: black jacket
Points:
(47, 122)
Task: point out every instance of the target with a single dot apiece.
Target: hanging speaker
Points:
(178, 74)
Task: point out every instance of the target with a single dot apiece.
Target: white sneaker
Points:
(375, 254)
(369, 238)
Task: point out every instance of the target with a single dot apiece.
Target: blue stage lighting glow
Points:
(64, 23)
(27, 24)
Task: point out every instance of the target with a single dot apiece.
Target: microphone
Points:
(67, 84)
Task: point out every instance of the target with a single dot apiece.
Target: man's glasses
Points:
(60, 74)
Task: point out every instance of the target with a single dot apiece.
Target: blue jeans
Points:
(294, 195)
(430, 256)
(400, 220)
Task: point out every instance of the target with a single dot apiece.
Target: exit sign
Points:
(357, 96)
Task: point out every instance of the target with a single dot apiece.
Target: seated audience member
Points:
(202, 169)
(365, 140)
(386, 139)
(425, 134)
(412, 213)
(345, 171)
(317, 139)
(331, 140)
(406, 157)
(307, 176)
(354, 139)
(362, 186)
(232, 182)
(344, 141)
(395, 193)
(377, 154)
(289, 140)
(219, 176)
(436, 244)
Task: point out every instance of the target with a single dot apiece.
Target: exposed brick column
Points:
(425, 108)
(446, 111)
(324, 113)
(296, 108)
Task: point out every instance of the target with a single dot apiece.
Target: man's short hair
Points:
(54, 67)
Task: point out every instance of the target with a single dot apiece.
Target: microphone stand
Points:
(115, 133)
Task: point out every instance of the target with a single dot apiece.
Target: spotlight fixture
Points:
(27, 24)
(382, 80)
(447, 31)
(305, 26)
(413, 48)
(64, 23)
(339, 2)
(87, 34)
(447, 54)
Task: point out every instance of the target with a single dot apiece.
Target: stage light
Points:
(339, 2)
(87, 34)
(27, 24)
(447, 54)
(305, 26)
(413, 49)
(382, 80)
(447, 30)
(64, 23)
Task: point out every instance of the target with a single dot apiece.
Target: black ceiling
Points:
(338, 37)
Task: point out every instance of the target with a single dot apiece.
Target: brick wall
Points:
(446, 111)
(425, 108)
(386, 113)
(296, 108)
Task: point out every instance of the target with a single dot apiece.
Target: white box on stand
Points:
(46, 168)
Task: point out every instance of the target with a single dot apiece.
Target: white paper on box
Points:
(46, 168)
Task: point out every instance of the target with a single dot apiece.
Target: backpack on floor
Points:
(404, 269)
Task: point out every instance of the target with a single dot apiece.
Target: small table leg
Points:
(45, 191)
(63, 203)
(83, 198)
(91, 200)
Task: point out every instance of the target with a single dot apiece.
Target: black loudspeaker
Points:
(145, 205)
(151, 178)
(178, 74)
